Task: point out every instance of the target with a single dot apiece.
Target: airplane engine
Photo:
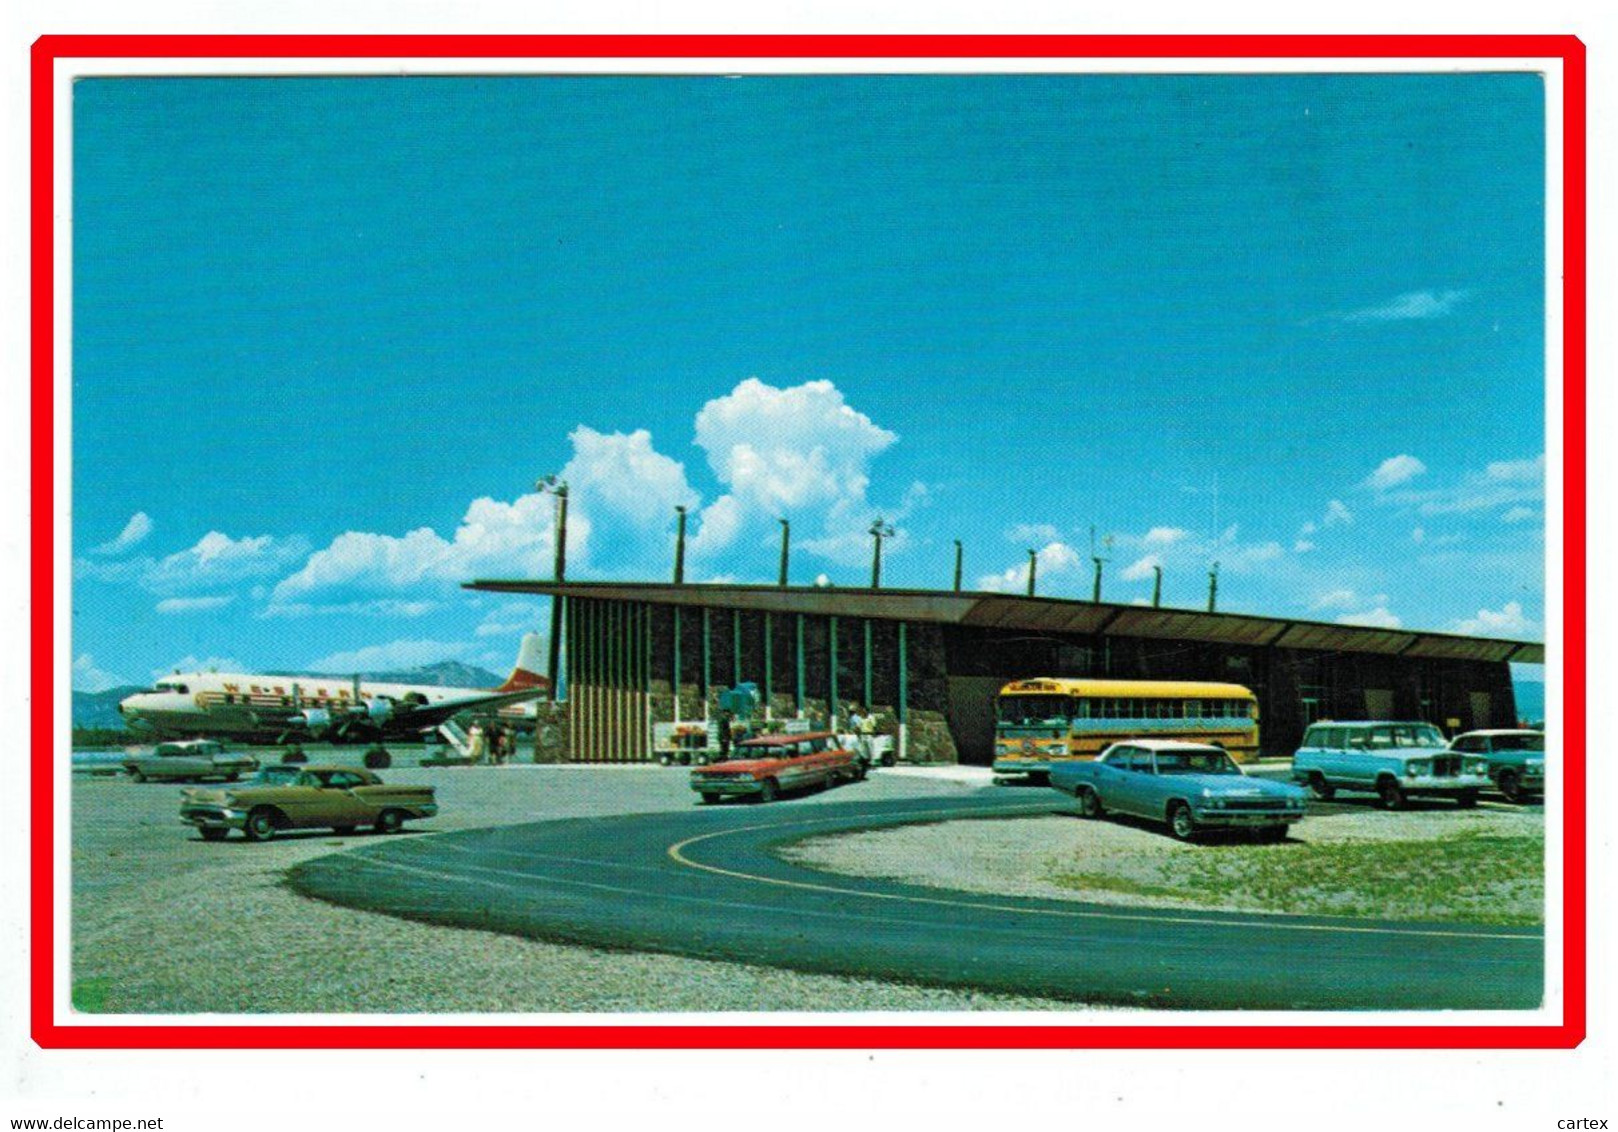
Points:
(315, 720)
(379, 710)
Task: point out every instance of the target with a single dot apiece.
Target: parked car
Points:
(771, 765)
(1192, 787)
(1516, 759)
(192, 760)
(305, 797)
(1396, 761)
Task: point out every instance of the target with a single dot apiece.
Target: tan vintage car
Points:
(342, 798)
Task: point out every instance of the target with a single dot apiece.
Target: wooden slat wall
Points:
(608, 666)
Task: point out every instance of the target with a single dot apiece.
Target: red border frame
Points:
(48, 49)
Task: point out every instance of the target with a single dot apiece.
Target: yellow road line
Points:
(677, 853)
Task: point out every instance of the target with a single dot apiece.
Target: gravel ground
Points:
(1026, 856)
(166, 923)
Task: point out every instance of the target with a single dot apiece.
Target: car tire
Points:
(232, 777)
(377, 758)
(1320, 788)
(293, 758)
(390, 821)
(769, 790)
(260, 824)
(1182, 823)
(343, 830)
(1511, 786)
(1272, 834)
(213, 832)
(1390, 795)
(1466, 799)
(138, 775)
(710, 799)
(1090, 803)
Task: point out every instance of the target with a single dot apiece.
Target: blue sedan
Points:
(1189, 786)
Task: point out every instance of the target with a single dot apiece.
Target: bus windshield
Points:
(1033, 710)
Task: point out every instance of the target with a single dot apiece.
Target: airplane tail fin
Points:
(530, 664)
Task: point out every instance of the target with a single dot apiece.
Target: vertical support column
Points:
(707, 658)
(798, 696)
(902, 707)
(570, 658)
(769, 664)
(832, 705)
(646, 683)
(866, 702)
(735, 647)
(676, 612)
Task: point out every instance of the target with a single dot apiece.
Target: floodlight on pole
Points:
(880, 529)
(679, 545)
(556, 486)
(786, 549)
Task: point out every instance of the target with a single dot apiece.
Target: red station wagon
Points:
(770, 765)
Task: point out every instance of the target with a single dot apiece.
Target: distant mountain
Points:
(100, 709)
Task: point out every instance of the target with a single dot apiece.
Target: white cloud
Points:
(217, 558)
(1302, 546)
(1379, 618)
(493, 538)
(1141, 568)
(1055, 559)
(135, 531)
(1337, 514)
(192, 663)
(1033, 532)
(1165, 536)
(194, 604)
(514, 617)
(88, 677)
(1508, 620)
(1517, 471)
(1394, 471)
(394, 654)
(376, 607)
(1337, 599)
(1418, 535)
(1408, 306)
(624, 474)
(1518, 514)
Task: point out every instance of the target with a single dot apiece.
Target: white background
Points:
(786, 1089)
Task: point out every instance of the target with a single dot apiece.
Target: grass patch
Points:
(1469, 878)
(90, 995)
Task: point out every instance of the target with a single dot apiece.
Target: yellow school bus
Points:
(1046, 720)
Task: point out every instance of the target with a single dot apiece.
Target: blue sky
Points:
(327, 333)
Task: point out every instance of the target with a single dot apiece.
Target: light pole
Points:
(1157, 587)
(1033, 570)
(879, 531)
(679, 546)
(1213, 588)
(786, 544)
(554, 485)
(957, 565)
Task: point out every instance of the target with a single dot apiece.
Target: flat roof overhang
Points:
(1041, 614)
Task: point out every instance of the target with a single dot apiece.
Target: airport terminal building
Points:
(931, 662)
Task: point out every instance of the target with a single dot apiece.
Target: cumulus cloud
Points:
(1337, 514)
(200, 604)
(1501, 484)
(1518, 515)
(1379, 618)
(1141, 568)
(193, 663)
(1394, 471)
(135, 531)
(1302, 546)
(1336, 599)
(90, 677)
(215, 561)
(514, 617)
(376, 607)
(493, 538)
(1055, 559)
(394, 654)
(1412, 305)
(1165, 536)
(1508, 620)
(1033, 532)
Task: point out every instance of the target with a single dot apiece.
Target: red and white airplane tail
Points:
(530, 665)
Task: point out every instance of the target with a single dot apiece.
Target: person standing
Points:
(868, 724)
(724, 734)
(856, 726)
(476, 745)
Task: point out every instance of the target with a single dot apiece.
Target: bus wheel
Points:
(1089, 803)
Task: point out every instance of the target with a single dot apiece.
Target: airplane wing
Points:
(416, 717)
